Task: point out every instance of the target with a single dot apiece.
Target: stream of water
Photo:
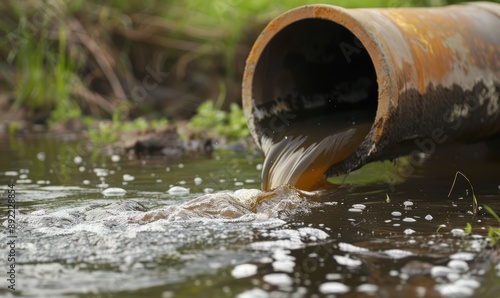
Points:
(96, 225)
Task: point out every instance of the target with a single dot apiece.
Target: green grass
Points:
(230, 124)
(45, 64)
(493, 232)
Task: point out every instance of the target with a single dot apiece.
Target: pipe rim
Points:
(352, 20)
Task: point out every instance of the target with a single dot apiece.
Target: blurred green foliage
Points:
(230, 124)
(46, 63)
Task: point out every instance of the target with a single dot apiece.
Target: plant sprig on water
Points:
(493, 233)
(474, 199)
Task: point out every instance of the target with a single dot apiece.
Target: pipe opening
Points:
(314, 91)
(315, 66)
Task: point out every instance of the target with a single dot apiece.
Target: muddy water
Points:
(300, 154)
(164, 237)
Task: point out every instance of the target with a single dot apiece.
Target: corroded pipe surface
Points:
(415, 74)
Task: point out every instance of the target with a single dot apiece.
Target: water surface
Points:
(236, 241)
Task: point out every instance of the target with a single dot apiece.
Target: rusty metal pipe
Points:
(423, 73)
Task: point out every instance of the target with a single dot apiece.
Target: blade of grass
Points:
(474, 199)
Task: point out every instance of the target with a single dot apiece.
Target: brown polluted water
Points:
(301, 154)
(202, 228)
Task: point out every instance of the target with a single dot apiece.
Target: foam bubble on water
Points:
(463, 256)
(114, 191)
(396, 213)
(437, 271)
(356, 210)
(333, 287)
(101, 172)
(24, 181)
(259, 167)
(127, 177)
(178, 191)
(409, 231)
(409, 219)
(253, 293)
(77, 159)
(347, 247)
(457, 232)
(41, 156)
(115, 158)
(238, 183)
(428, 217)
(249, 180)
(452, 290)
(398, 253)
(283, 265)
(312, 234)
(458, 265)
(278, 279)
(86, 182)
(11, 173)
(359, 206)
(408, 203)
(244, 270)
(334, 276)
(347, 261)
(367, 288)
(198, 180)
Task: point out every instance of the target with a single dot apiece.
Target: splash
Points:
(240, 205)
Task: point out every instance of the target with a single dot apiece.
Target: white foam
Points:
(438, 271)
(278, 279)
(333, 287)
(313, 234)
(351, 248)
(284, 265)
(398, 253)
(178, 191)
(114, 191)
(458, 265)
(457, 232)
(253, 293)
(367, 288)
(359, 206)
(463, 256)
(408, 203)
(346, 261)
(244, 270)
(127, 177)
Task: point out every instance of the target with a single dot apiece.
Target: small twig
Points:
(474, 199)
(99, 54)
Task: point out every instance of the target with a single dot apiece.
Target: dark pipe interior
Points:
(315, 67)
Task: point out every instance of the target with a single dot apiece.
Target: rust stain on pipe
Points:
(427, 69)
